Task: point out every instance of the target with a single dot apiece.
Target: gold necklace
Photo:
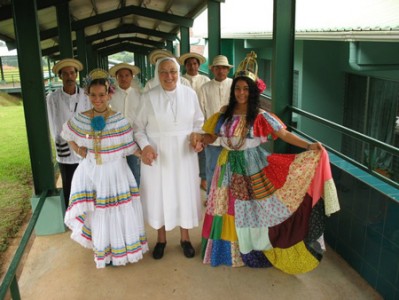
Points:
(241, 141)
(97, 135)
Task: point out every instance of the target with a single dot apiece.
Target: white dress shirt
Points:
(213, 96)
(60, 108)
(126, 102)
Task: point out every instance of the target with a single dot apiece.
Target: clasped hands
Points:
(148, 155)
(197, 141)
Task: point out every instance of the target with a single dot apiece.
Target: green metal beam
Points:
(130, 29)
(125, 47)
(132, 10)
(133, 40)
(64, 30)
(6, 10)
(32, 87)
(214, 33)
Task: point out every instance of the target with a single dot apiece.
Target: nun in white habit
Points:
(169, 170)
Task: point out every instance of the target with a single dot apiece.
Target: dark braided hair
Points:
(253, 101)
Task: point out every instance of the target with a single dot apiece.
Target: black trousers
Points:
(67, 171)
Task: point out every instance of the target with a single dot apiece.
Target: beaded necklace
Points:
(241, 141)
(97, 124)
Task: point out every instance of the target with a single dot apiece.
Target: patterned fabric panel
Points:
(294, 229)
(220, 253)
(263, 213)
(294, 260)
(278, 168)
(265, 124)
(229, 229)
(261, 186)
(210, 124)
(253, 239)
(299, 178)
(317, 222)
(330, 197)
(255, 160)
(256, 259)
(241, 187)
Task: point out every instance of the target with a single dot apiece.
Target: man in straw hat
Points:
(62, 105)
(153, 57)
(213, 95)
(192, 61)
(126, 100)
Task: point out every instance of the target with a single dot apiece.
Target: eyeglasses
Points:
(165, 73)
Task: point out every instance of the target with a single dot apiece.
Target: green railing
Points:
(372, 143)
(10, 279)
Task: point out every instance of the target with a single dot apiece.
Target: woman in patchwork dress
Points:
(104, 212)
(263, 209)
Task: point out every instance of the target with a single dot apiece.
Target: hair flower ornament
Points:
(261, 85)
(98, 123)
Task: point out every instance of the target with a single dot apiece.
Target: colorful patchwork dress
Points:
(265, 209)
(105, 212)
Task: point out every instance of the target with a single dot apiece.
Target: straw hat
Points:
(220, 60)
(135, 70)
(157, 54)
(185, 56)
(67, 62)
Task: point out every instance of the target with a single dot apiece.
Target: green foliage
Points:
(15, 172)
(124, 56)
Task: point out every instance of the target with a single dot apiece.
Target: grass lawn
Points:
(15, 169)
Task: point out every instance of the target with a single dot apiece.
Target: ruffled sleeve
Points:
(266, 124)
(74, 129)
(213, 124)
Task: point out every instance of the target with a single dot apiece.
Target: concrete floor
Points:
(58, 268)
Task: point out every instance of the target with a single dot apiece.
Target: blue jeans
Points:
(211, 155)
(202, 164)
(134, 165)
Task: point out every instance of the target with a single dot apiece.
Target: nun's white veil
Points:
(156, 81)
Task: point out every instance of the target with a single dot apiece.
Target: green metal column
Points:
(31, 74)
(64, 29)
(214, 34)
(184, 40)
(169, 46)
(227, 49)
(2, 71)
(139, 62)
(82, 55)
(91, 58)
(283, 61)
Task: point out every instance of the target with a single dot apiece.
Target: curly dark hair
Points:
(253, 100)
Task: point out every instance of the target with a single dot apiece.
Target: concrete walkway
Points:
(58, 268)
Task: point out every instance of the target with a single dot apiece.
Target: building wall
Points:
(322, 84)
(365, 232)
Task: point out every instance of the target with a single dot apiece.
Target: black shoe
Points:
(158, 250)
(188, 249)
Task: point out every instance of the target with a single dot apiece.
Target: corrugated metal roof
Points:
(138, 24)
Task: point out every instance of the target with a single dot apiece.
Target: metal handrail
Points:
(10, 279)
(373, 143)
